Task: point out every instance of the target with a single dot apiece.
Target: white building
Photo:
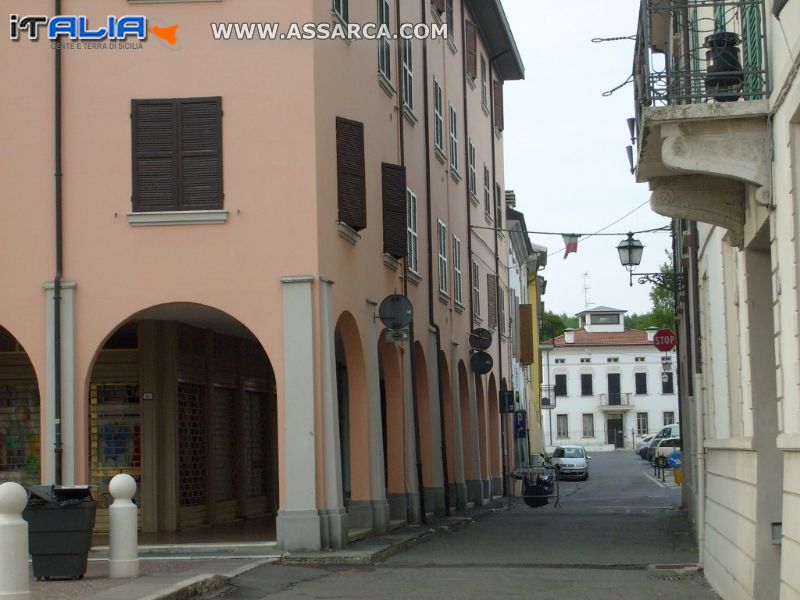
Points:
(610, 384)
(720, 153)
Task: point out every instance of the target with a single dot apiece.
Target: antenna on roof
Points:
(586, 289)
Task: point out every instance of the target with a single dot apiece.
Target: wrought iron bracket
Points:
(674, 282)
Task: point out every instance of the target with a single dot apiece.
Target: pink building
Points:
(230, 214)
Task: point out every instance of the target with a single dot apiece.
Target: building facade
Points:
(525, 261)
(717, 143)
(610, 384)
(229, 216)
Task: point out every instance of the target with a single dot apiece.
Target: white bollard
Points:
(123, 526)
(14, 575)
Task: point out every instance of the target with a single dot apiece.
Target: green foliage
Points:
(553, 325)
(663, 301)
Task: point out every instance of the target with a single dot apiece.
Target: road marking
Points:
(654, 480)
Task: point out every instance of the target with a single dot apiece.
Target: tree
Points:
(662, 313)
(553, 325)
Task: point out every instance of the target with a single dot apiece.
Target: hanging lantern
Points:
(724, 74)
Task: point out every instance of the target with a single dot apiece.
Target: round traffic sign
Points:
(674, 459)
(480, 339)
(665, 340)
(481, 362)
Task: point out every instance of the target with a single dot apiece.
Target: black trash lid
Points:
(72, 492)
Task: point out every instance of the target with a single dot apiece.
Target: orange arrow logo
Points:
(166, 33)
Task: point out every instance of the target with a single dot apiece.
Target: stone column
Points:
(412, 482)
(333, 515)
(474, 486)
(434, 490)
(458, 443)
(298, 521)
(377, 476)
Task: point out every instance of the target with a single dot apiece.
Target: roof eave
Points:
(501, 45)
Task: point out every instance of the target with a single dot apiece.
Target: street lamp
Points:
(630, 255)
(666, 366)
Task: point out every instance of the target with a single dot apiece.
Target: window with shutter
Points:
(491, 290)
(395, 239)
(561, 385)
(484, 85)
(471, 51)
(499, 121)
(641, 383)
(350, 172)
(476, 289)
(177, 154)
(441, 230)
(526, 334)
(413, 240)
(457, 296)
(586, 384)
(501, 309)
(498, 205)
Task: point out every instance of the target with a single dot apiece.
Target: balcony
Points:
(701, 81)
(615, 402)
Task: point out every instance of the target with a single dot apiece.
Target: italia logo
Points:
(78, 28)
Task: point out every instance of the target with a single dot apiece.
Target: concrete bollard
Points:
(123, 528)
(14, 575)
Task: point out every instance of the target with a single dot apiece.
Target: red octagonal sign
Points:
(665, 340)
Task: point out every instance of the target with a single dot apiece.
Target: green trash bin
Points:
(60, 523)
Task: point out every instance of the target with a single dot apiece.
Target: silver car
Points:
(571, 461)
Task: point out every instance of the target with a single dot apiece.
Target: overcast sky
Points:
(565, 147)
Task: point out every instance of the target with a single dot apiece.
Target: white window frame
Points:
(408, 74)
(559, 432)
(484, 84)
(453, 138)
(639, 429)
(487, 192)
(672, 419)
(342, 9)
(384, 48)
(438, 119)
(476, 288)
(457, 270)
(411, 226)
(591, 417)
(473, 177)
(441, 229)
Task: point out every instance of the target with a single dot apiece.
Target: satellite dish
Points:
(396, 312)
(481, 362)
(480, 339)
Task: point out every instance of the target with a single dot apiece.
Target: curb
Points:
(189, 588)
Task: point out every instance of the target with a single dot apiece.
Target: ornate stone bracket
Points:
(702, 198)
(714, 161)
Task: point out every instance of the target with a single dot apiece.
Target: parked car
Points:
(668, 431)
(663, 449)
(643, 442)
(571, 461)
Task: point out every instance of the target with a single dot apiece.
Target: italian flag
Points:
(570, 243)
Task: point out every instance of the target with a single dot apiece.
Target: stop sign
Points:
(665, 340)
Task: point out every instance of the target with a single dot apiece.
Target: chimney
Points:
(569, 336)
(511, 199)
(651, 333)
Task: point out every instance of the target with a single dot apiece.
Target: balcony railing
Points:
(617, 399)
(700, 51)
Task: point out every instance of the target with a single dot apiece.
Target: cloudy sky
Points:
(565, 147)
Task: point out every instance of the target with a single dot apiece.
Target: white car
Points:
(571, 461)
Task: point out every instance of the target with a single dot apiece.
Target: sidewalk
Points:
(171, 572)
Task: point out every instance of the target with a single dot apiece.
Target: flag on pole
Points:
(570, 243)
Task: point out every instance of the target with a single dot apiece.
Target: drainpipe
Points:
(700, 408)
(59, 450)
(497, 267)
(431, 319)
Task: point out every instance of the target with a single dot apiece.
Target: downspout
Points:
(59, 450)
(414, 394)
(497, 268)
(700, 404)
(431, 319)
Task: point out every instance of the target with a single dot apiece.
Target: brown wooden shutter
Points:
(438, 5)
(155, 148)
(200, 157)
(351, 175)
(491, 290)
(526, 334)
(499, 121)
(395, 239)
(471, 51)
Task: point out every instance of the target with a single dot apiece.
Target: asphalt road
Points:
(610, 537)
